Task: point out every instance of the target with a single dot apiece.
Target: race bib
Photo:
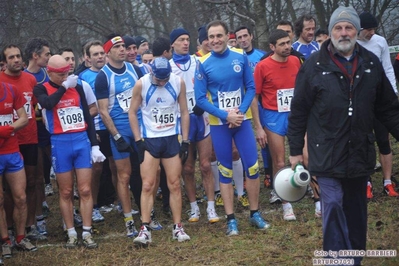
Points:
(27, 107)
(71, 118)
(284, 97)
(6, 120)
(229, 99)
(124, 99)
(163, 118)
(190, 101)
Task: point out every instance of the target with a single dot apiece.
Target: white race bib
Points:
(71, 118)
(229, 99)
(284, 97)
(124, 99)
(6, 120)
(28, 106)
(162, 118)
(190, 101)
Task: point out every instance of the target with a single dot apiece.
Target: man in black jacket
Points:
(338, 92)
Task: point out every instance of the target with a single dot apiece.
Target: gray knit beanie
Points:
(347, 14)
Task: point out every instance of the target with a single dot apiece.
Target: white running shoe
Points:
(179, 234)
(144, 237)
(194, 216)
(289, 214)
(212, 216)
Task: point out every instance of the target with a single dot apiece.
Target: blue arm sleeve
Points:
(101, 86)
(249, 87)
(201, 88)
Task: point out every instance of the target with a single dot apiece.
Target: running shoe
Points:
(218, 199)
(106, 209)
(72, 242)
(194, 216)
(179, 234)
(130, 228)
(42, 227)
(244, 200)
(232, 229)
(144, 237)
(6, 248)
(96, 216)
(212, 216)
(390, 191)
(88, 241)
(154, 224)
(48, 190)
(120, 210)
(289, 214)
(34, 234)
(258, 221)
(274, 198)
(26, 245)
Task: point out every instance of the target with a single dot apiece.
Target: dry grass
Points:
(285, 243)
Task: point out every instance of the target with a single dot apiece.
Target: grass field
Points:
(285, 243)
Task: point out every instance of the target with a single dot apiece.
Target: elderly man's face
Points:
(343, 37)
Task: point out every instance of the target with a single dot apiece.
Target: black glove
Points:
(183, 153)
(197, 110)
(140, 150)
(122, 145)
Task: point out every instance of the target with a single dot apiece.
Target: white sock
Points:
(286, 206)
(318, 206)
(211, 205)
(127, 215)
(238, 177)
(194, 206)
(215, 172)
(44, 204)
(387, 182)
(72, 232)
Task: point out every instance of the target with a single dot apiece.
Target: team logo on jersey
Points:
(236, 66)
(127, 85)
(159, 100)
(7, 105)
(199, 76)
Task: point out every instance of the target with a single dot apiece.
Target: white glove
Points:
(96, 155)
(70, 82)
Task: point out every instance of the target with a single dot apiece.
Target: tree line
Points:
(71, 23)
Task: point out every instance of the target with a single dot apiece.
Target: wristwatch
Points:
(186, 141)
(117, 136)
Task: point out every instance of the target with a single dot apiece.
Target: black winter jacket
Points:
(340, 145)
